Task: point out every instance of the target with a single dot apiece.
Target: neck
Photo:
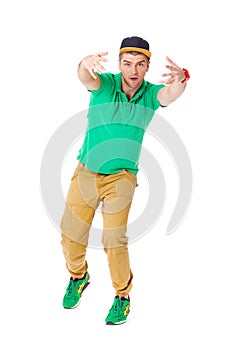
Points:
(129, 90)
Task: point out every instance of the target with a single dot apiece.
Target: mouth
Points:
(133, 78)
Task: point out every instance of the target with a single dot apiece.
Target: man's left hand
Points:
(175, 75)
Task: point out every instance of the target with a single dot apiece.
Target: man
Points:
(121, 107)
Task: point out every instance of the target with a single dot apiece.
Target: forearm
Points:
(175, 80)
(84, 75)
(87, 68)
(170, 93)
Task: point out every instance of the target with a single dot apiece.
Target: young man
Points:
(121, 107)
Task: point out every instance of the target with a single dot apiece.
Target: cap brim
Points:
(137, 49)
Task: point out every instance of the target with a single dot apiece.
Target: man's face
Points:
(133, 68)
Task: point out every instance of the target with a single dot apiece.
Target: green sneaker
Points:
(119, 311)
(74, 291)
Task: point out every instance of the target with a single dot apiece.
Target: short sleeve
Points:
(106, 84)
(154, 89)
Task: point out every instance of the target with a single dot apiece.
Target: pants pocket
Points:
(132, 177)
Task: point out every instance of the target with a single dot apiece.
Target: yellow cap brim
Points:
(137, 49)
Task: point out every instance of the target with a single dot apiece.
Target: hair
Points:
(134, 53)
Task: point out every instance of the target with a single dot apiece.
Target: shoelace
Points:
(70, 288)
(117, 308)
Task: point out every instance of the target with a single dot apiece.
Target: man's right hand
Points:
(92, 63)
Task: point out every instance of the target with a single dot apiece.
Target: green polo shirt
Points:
(116, 126)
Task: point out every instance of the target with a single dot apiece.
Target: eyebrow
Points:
(136, 62)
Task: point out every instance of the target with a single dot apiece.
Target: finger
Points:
(171, 62)
(169, 81)
(171, 68)
(92, 73)
(171, 74)
(101, 59)
(99, 67)
(166, 74)
(166, 82)
(104, 53)
(94, 65)
(97, 70)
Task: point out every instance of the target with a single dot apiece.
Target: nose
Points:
(134, 69)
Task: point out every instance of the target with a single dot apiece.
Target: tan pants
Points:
(86, 191)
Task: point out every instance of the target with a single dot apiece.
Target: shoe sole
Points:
(116, 323)
(73, 307)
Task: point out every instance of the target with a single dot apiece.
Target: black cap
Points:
(137, 44)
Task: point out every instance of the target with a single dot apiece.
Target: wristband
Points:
(187, 76)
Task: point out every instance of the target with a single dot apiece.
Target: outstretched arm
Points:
(87, 68)
(175, 87)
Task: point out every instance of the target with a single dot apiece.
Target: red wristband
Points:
(187, 76)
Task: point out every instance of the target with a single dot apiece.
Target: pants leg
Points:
(118, 194)
(75, 254)
(82, 201)
(119, 267)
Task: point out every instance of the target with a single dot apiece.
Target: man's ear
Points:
(119, 64)
(148, 65)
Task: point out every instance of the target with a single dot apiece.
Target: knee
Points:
(113, 238)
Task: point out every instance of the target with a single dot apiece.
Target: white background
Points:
(182, 295)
